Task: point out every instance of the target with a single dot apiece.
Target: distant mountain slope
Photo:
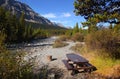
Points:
(44, 26)
(17, 8)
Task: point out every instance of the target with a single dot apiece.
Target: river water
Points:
(35, 43)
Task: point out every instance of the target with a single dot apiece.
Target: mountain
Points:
(18, 8)
(58, 24)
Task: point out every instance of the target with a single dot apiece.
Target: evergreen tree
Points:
(16, 30)
(76, 29)
(2, 19)
(15, 27)
(97, 11)
(21, 28)
(22, 20)
(81, 30)
(68, 32)
(89, 8)
(28, 34)
(8, 26)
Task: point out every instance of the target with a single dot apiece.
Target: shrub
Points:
(104, 40)
(78, 37)
(63, 38)
(79, 47)
(14, 67)
(45, 72)
(12, 64)
(59, 43)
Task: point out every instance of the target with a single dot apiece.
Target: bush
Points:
(12, 64)
(59, 43)
(104, 40)
(47, 72)
(63, 38)
(78, 37)
(78, 47)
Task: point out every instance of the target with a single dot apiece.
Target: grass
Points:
(106, 66)
(59, 44)
(63, 38)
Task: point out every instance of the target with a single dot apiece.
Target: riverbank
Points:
(41, 54)
(41, 49)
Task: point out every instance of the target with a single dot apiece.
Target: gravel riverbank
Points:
(46, 49)
(41, 49)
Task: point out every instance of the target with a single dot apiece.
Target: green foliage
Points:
(10, 26)
(78, 37)
(2, 39)
(91, 23)
(92, 29)
(76, 29)
(54, 32)
(28, 34)
(89, 8)
(81, 30)
(98, 11)
(21, 28)
(22, 20)
(17, 30)
(39, 33)
(12, 64)
(69, 32)
(45, 26)
(104, 40)
(76, 34)
(2, 18)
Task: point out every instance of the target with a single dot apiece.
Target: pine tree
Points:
(76, 29)
(81, 30)
(22, 20)
(2, 19)
(68, 32)
(21, 28)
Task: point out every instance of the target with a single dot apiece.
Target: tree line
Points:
(17, 30)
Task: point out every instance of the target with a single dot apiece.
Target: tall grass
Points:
(106, 66)
(78, 37)
(58, 43)
(105, 40)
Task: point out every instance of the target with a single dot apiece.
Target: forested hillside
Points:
(17, 30)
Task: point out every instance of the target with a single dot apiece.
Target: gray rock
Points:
(17, 8)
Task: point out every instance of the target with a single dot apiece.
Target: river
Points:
(35, 43)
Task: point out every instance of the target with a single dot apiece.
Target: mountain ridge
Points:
(17, 7)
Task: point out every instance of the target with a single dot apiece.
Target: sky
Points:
(59, 11)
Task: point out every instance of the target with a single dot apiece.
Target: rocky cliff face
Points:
(17, 8)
